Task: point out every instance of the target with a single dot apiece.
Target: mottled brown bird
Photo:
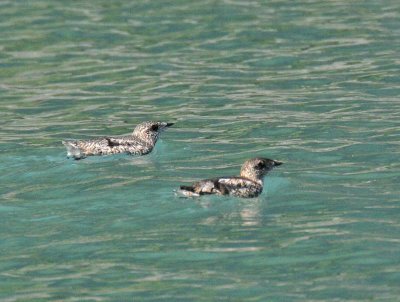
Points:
(140, 142)
(249, 184)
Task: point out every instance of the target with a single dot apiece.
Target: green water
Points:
(314, 84)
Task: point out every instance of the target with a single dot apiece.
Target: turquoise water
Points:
(312, 83)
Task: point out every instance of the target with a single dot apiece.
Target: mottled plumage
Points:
(140, 142)
(248, 184)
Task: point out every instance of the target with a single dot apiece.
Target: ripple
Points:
(313, 84)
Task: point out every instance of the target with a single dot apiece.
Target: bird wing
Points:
(120, 141)
(223, 185)
(128, 144)
(241, 187)
(209, 186)
(235, 186)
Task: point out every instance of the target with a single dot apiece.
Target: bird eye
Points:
(260, 165)
(154, 127)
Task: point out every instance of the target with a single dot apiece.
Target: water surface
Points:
(312, 83)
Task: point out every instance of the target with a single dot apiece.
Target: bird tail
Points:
(187, 188)
(73, 150)
(188, 191)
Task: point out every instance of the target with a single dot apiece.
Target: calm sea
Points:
(314, 84)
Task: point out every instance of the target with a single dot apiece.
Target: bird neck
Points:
(260, 181)
(151, 140)
(253, 177)
(145, 138)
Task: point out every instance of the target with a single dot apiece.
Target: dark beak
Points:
(277, 163)
(169, 124)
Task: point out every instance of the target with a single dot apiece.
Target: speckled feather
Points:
(236, 186)
(141, 142)
(249, 184)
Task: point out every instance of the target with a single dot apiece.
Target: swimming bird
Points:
(249, 184)
(140, 142)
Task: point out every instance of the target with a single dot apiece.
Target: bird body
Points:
(249, 184)
(140, 142)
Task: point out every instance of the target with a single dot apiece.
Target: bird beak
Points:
(164, 125)
(277, 163)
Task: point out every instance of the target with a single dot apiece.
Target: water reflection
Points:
(312, 83)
